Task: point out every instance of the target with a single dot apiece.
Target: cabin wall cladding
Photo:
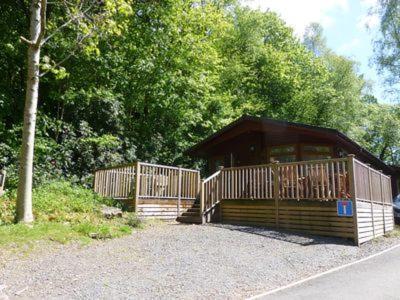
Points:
(314, 217)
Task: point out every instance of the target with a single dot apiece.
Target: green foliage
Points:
(162, 76)
(380, 131)
(387, 46)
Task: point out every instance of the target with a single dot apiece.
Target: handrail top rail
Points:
(133, 164)
(212, 176)
(168, 167)
(305, 162)
(116, 167)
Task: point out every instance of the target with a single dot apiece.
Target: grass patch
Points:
(395, 233)
(63, 213)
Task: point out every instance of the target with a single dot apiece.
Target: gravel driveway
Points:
(178, 261)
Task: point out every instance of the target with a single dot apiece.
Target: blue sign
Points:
(344, 208)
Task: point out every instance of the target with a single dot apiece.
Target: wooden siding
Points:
(162, 209)
(373, 219)
(313, 217)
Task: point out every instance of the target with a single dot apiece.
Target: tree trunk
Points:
(24, 196)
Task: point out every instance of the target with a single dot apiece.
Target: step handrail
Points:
(208, 197)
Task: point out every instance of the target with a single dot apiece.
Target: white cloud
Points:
(299, 14)
(348, 47)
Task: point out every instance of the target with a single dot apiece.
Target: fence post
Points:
(220, 191)
(275, 171)
(383, 202)
(202, 201)
(352, 187)
(370, 200)
(137, 186)
(391, 198)
(179, 191)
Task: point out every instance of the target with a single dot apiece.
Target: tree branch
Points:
(76, 17)
(73, 51)
(25, 40)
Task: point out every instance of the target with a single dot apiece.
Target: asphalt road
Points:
(376, 278)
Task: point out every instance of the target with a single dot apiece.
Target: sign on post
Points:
(344, 208)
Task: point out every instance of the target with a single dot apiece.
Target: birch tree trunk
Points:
(24, 196)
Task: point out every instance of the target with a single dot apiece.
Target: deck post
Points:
(275, 171)
(137, 185)
(202, 201)
(179, 191)
(352, 187)
(220, 193)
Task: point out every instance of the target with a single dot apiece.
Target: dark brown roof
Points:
(337, 135)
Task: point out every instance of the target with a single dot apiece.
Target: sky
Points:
(349, 28)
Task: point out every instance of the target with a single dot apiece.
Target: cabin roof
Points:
(200, 149)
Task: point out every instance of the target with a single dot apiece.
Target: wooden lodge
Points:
(266, 173)
(253, 141)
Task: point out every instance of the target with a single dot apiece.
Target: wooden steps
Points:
(192, 215)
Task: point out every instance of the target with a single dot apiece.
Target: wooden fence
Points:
(374, 208)
(302, 196)
(151, 189)
(297, 196)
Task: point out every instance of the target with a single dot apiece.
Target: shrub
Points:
(133, 220)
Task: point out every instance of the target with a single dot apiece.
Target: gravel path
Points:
(178, 261)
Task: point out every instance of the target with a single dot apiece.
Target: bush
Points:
(134, 221)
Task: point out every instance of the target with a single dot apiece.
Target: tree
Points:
(387, 47)
(37, 31)
(379, 131)
(86, 18)
(314, 39)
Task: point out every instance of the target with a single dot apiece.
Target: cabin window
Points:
(316, 152)
(285, 153)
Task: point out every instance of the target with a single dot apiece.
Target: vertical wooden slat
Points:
(352, 186)
(276, 192)
(179, 191)
(371, 200)
(137, 189)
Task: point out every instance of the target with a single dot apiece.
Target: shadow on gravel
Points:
(287, 236)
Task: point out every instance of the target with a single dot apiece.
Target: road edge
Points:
(270, 292)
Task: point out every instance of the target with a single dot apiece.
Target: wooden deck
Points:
(300, 196)
(155, 191)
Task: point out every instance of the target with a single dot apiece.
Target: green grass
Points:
(63, 213)
(394, 233)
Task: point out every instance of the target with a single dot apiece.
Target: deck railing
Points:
(327, 179)
(322, 179)
(147, 181)
(115, 182)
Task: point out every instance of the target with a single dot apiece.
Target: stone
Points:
(111, 212)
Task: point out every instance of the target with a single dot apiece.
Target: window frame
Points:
(303, 153)
(277, 156)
